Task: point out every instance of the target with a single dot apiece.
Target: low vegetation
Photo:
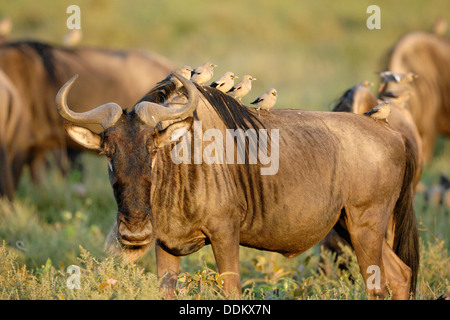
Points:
(311, 54)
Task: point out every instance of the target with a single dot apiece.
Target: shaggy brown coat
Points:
(335, 170)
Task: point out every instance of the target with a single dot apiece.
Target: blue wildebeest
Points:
(328, 176)
(37, 70)
(428, 56)
(14, 136)
(360, 99)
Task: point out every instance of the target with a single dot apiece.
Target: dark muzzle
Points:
(136, 233)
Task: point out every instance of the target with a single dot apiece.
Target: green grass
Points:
(73, 231)
(309, 52)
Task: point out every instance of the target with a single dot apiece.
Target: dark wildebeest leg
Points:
(75, 162)
(333, 242)
(37, 167)
(168, 267)
(225, 245)
(398, 274)
(6, 180)
(367, 227)
(372, 250)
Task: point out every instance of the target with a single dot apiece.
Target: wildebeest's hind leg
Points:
(168, 267)
(398, 274)
(367, 228)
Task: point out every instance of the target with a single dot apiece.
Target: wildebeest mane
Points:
(345, 102)
(43, 50)
(160, 93)
(232, 113)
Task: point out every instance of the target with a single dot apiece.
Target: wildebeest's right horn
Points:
(105, 115)
(152, 113)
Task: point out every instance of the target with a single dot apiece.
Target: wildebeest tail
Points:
(406, 235)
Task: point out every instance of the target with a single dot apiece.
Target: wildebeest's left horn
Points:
(152, 113)
(105, 115)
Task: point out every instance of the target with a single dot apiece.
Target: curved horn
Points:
(152, 113)
(105, 115)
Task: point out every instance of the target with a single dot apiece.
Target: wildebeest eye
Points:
(108, 152)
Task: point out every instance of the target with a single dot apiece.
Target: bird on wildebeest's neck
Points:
(225, 82)
(242, 88)
(203, 73)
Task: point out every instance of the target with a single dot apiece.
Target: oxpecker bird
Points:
(185, 71)
(380, 112)
(267, 100)
(401, 78)
(203, 73)
(242, 88)
(225, 82)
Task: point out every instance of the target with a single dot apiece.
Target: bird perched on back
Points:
(185, 71)
(380, 112)
(203, 73)
(388, 76)
(225, 82)
(267, 100)
(401, 78)
(242, 88)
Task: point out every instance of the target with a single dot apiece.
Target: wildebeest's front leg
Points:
(225, 245)
(168, 267)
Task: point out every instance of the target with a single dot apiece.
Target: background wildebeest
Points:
(14, 136)
(428, 56)
(37, 70)
(360, 99)
(328, 177)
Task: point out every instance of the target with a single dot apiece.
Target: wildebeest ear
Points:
(173, 132)
(83, 136)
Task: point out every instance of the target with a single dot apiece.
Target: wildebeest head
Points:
(129, 141)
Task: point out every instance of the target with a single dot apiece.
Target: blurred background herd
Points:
(311, 52)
